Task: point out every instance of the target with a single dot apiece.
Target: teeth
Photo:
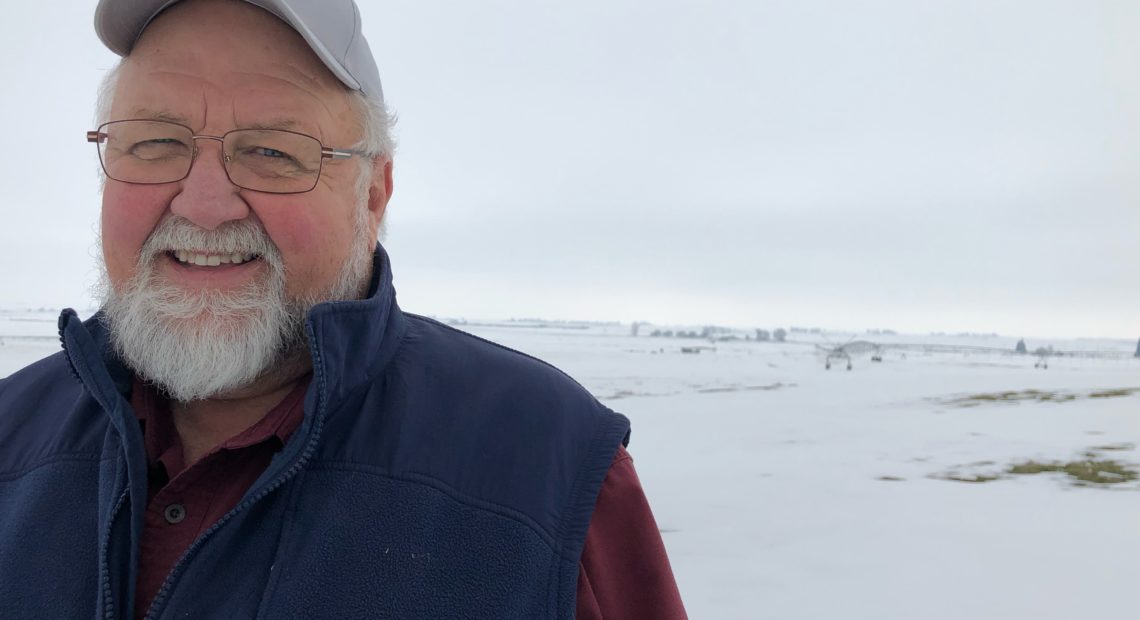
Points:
(211, 260)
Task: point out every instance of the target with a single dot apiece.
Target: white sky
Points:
(921, 166)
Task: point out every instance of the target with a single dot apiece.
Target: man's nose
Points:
(208, 198)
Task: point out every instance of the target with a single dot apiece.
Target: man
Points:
(251, 427)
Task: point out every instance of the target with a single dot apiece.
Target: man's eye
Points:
(155, 142)
(265, 151)
(158, 148)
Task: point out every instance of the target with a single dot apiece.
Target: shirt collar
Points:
(160, 437)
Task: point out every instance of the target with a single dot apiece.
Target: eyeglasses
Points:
(275, 161)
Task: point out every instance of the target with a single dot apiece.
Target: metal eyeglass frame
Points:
(97, 136)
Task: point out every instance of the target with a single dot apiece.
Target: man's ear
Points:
(380, 190)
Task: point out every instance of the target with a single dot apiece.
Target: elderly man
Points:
(251, 427)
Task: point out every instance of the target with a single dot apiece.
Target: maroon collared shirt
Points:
(623, 573)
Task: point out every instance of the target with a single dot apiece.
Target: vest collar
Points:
(351, 341)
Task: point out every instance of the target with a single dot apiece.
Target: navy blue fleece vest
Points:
(435, 475)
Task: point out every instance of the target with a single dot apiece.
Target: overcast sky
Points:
(907, 164)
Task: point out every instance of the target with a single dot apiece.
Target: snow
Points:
(787, 491)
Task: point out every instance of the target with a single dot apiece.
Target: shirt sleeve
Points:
(624, 571)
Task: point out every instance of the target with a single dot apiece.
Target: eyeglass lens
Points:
(264, 160)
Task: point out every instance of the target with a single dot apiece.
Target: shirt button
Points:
(174, 513)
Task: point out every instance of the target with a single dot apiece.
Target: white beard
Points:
(202, 344)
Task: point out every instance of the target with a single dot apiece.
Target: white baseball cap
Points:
(330, 27)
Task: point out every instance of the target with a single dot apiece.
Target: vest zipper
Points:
(310, 447)
(78, 351)
(104, 565)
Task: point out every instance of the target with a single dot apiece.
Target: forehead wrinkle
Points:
(136, 80)
(317, 121)
(157, 114)
(276, 122)
(321, 80)
(286, 120)
(311, 105)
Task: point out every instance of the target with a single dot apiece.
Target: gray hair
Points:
(376, 124)
(106, 94)
(376, 140)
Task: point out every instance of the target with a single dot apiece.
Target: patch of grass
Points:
(1001, 396)
(1012, 396)
(972, 478)
(745, 388)
(1117, 393)
(1115, 447)
(1018, 396)
(962, 473)
(1093, 471)
(618, 394)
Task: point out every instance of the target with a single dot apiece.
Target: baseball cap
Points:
(330, 27)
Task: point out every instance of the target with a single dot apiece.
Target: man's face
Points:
(229, 328)
(220, 65)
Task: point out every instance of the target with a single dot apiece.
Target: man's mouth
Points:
(201, 259)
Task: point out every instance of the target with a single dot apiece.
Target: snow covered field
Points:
(788, 491)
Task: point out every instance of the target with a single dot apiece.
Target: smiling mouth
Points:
(201, 259)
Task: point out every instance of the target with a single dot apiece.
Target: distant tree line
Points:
(1021, 349)
(680, 333)
(717, 333)
(779, 335)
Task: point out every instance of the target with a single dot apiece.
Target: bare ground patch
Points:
(1114, 447)
(699, 388)
(745, 388)
(619, 394)
(1082, 473)
(1093, 470)
(1013, 397)
(976, 472)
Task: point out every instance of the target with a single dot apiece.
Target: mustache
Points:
(235, 237)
